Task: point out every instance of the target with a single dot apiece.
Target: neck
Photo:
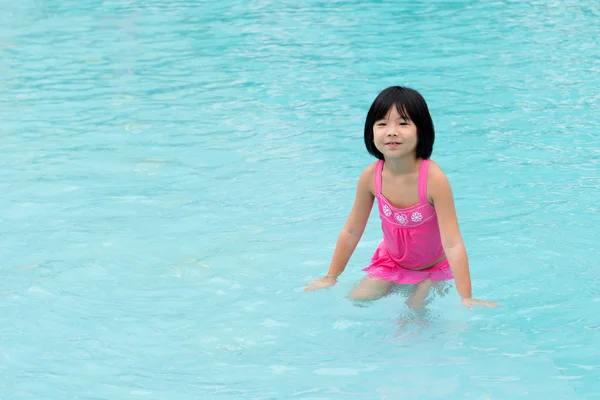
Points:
(402, 165)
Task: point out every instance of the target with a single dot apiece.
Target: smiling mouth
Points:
(393, 143)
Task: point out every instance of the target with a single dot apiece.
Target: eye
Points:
(381, 124)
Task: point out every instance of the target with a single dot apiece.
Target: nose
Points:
(393, 130)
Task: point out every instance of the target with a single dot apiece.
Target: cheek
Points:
(376, 135)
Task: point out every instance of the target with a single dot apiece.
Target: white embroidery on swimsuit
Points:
(416, 217)
(401, 218)
(386, 210)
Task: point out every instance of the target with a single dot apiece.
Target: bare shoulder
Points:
(437, 181)
(366, 179)
(435, 172)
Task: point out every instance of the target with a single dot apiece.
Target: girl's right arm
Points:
(352, 230)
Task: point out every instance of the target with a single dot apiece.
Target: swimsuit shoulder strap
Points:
(423, 172)
(377, 178)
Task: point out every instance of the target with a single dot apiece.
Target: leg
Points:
(370, 289)
(416, 300)
(416, 296)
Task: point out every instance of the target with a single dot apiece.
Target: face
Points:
(395, 136)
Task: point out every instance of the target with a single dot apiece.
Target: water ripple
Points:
(174, 171)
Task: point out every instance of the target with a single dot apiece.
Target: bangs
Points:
(404, 102)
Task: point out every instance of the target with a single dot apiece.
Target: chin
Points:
(397, 154)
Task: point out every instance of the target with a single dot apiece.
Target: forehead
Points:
(395, 113)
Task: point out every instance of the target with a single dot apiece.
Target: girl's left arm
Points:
(441, 195)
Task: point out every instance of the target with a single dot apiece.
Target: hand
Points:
(321, 283)
(470, 302)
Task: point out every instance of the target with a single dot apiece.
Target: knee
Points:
(418, 299)
(427, 282)
(415, 304)
(361, 294)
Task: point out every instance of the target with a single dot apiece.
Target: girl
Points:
(422, 244)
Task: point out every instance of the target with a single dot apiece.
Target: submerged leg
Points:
(417, 298)
(370, 289)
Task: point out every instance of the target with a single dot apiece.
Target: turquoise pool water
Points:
(173, 173)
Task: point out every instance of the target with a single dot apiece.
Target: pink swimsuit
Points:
(411, 238)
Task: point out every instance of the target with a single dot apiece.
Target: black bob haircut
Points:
(410, 105)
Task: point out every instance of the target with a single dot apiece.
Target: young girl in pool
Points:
(422, 245)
